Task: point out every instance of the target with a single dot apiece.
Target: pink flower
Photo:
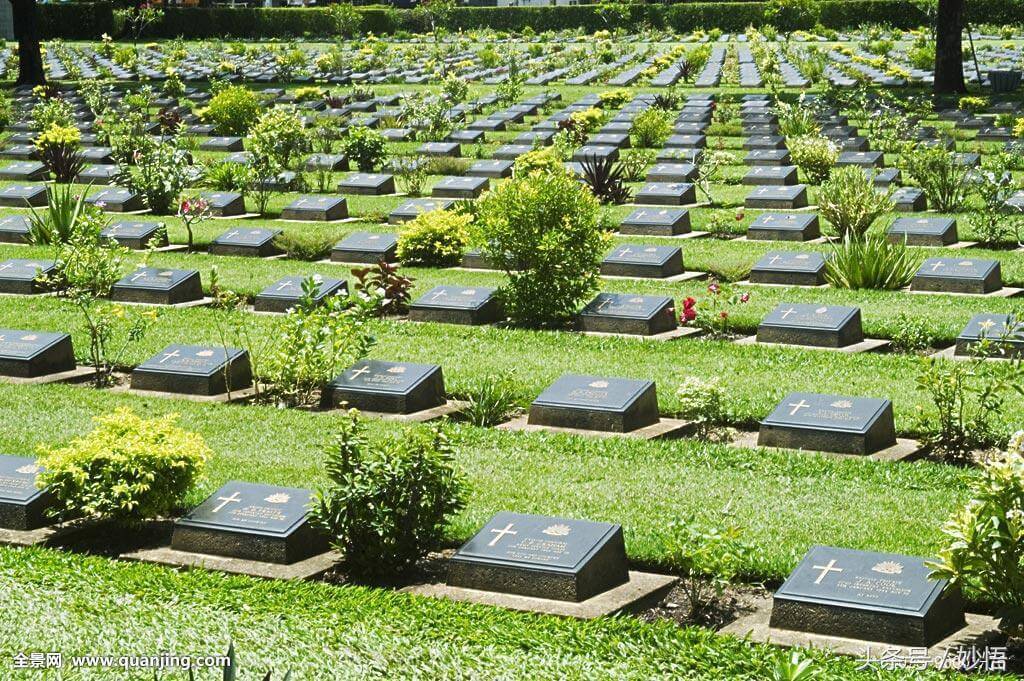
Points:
(713, 287)
(745, 297)
(689, 310)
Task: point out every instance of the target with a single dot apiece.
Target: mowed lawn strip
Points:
(84, 605)
(785, 502)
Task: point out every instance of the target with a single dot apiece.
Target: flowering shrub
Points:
(52, 111)
(58, 147)
(985, 553)
(720, 300)
(193, 210)
(128, 469)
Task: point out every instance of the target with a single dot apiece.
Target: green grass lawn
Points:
(784, 502)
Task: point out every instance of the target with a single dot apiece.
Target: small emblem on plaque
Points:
(559, 530)
(279, 498)
(888, 567)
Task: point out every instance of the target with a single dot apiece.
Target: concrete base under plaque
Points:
(662, 429)
(866, 345)
(488, 313)
(301, 544)
(429, 394)
(904, 450)
(643, 590)
(684, 276)
(1004, 292)
(47, 535)
(954, 352)
(188, 291)
(308, 568)
(77, 374)
(945, 617)
(449, 408)
(979, 630)
(673, 334)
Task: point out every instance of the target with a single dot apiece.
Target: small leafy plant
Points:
(436, 238)
(383, 283)
(872, 262)
(388, 500)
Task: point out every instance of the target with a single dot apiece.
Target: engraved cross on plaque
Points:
(797, 406)
(786, 313)
(359, 372)
(825, 569)
(501, 533)
(168, 355)
(224, 501)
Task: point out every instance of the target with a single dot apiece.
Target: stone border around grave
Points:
(685, 276)
(747, 282)
(74, 375)
(449, 408)
(980, 631)
(684, 235)
(309, 568)
(866, 345)
(202, 302)
(905, 449)
(663, 429)
(958, 246)
(240, 216)
(1004, 292)
(674, 334)
(824, 239)
(223, 398)
(950, 354)
(642, 591)
(43, 536)
(323, 222)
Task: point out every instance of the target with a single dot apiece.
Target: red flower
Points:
(689, 313)
(739, 216)
(723, 314)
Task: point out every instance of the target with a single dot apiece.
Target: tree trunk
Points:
(26, 30)
(949, 54)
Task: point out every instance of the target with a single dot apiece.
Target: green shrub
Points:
(968, 396)
(59, 151)
(128, 469)
(545, 160)
(52, 111)
(280, 136)
(614, 99)
(301, 245)
(366, 147)
(911, 334)
(434, 239)
(871, 262)
(388, 500)
(985, 550)
(491, 401)
(651, 128)
(850, 202)
(708, 558)
(314, 342)
(226, 176)
(702, 403)
(937, 172)
(233, 110)
(814, 155)
(543, 231)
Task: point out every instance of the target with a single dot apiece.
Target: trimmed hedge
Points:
(90, 20)
(75, 20)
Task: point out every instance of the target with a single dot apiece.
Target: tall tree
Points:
(26, 30)
(949, 53)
